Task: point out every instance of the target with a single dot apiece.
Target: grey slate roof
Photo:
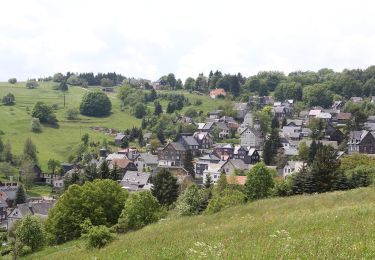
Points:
(37, 208)
(178, 146)
(208, 126)
(149, 158)
(221, 125)
(134, 180)
(239, 164)
(119, 137)
(190, 140)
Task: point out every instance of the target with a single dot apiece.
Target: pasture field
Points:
(54, 142)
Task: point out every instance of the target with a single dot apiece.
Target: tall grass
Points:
(337, 225)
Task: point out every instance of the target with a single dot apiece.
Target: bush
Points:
(30, 84)
(140, 210)
(72, 114)
(25, 250)
(259, 182)
(95, 104)
(198, 102)
(31, 232)
(44, 112)
(225, 199)
(12, 80)
(8, 99)
(35, 125)
(191, 112)
(361, 176)
(192, 201)
(99, 236)
(139, 110)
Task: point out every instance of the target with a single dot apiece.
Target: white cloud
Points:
(150, 38)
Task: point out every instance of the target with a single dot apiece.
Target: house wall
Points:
(249, 139)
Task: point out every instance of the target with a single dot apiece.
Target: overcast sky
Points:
(149, 39)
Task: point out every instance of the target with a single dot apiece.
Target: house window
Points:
(215, 176)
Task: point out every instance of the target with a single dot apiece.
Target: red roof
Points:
(241, 180)
(217, 92)
(344, 116)
(121, 163)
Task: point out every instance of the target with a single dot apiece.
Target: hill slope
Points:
(331, 225)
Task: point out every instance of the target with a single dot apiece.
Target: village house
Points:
(190, 143)
(343, 118)
(136, 181)
(38, 208)
(214, 170)
(280, 111)
(173, 154)
(356, 99)
(224, 130)
(123, 165)
(231, 165)
(202, 164)
(146, 161)
(337, 105)
(8, 192)
(251, 137)
(215, 93)
(334, 134)
(223, 151)
(119, 139)
(204, 139)
(292, 167)
(241, 109)
(314, 112)
(3, 209)
(215, 115)
(361, 142)
(247, 154)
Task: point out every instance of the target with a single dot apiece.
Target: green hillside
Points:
(57, 143)
(337, 225)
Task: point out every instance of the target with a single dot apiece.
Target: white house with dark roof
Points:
(292, 167)
(250, 137)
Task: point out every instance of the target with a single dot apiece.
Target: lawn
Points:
(336, 225)
(55, 143)
(39, 191)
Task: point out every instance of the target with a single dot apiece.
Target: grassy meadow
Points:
(57, 143)
(338, 225)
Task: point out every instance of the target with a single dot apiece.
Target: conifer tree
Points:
(165, 187)
(20, 195)
(158, 108)
(188, 163)
(267, 152)
(144, 123)
(140, 138)
(104, 172)
(275, 122)
(160, 135)
(208, 181)
(114, 174)
(124, 143)
(312, 151)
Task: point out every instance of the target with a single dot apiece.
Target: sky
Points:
(149, 39)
